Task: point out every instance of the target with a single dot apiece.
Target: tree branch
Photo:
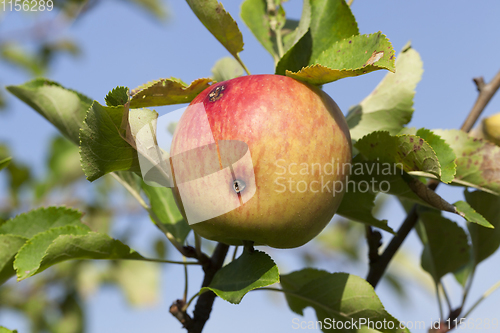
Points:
(377, 270)
(206, 300)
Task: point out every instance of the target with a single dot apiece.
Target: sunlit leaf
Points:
(39, 220)
(322, 24)
(468, 213)
(339, 296)
(220, 24)
(163, 206)
(118, 96)
(106, 138)
(477, 160)
(9, 245)
(167, 92)
(390, 105)
(408, 152)
(64, 108)
(248, 272)
(68, 243)
(354, 56)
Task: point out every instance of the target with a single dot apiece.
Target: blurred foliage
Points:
(53, 301)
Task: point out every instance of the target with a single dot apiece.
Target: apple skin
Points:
(283, 121)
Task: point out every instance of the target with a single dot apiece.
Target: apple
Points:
(261, 158)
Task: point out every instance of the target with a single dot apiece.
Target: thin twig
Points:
(483, 297)
(486, 92)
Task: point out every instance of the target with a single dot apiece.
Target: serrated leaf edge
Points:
(34, 238)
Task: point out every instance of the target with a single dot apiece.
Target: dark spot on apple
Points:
(411, 139)
(238, 186)
(216, 94)
(350, 41)
(421, 141)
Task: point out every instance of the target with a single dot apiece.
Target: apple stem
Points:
(248, 246)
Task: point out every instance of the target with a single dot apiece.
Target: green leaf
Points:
(118, 96)
(444, 153)
(64, 108)
(445, 244)
(226, 69)
(39, 220)
(353, 56)
(31, 254)
(164, 208)
(106, 138)
(166, 92)
(485, 241)
(5, 162)
(9, 245)
(248, 272)
(220, 24)
(409, 152)
(254, 14)
(358, 206)
(339, 296)
(5, 330)
(477, 160)
(329, 21)
(300, 28)
(379, 177)
(468, 213)
(390, 105)
(81, 244)
(295, 281)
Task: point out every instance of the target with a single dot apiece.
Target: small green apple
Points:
(261, 158)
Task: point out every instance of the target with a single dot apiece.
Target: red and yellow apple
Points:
(260, 158)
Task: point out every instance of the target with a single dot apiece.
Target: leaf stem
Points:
(235, 252)
(441, 317)
(445, 294)
(186, 306)
(483, 297)
(238, 59)
(184, 298)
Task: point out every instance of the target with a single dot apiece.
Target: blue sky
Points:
(457, 40)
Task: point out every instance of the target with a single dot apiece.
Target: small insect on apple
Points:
(261, 158)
